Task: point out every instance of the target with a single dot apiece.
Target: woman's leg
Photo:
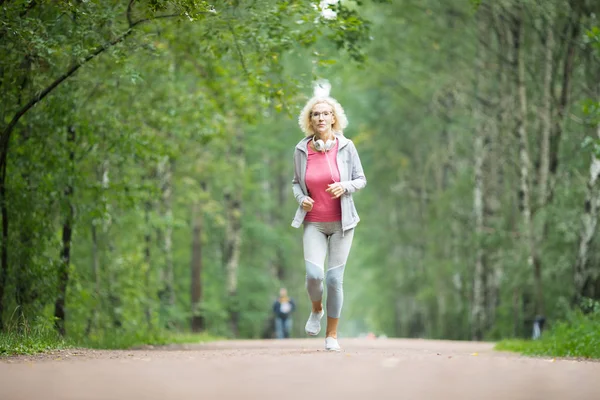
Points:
(339, 249)
(315, 250)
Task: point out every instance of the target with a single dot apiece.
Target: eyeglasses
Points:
(325, 114)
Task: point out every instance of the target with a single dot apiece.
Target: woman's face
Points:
(322, 118)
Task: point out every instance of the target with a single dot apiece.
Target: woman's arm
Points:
(296, 188)
(359, 180)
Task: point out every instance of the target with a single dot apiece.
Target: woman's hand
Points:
(307, 204)
(336, 190)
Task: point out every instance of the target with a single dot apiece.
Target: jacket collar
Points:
(343, 141)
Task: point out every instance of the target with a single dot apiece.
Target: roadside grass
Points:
(17, 342)
(578, 337)
(23, 340)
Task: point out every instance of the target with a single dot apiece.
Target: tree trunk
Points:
(4, 244)
(113, 297)
(493, 215)
(233, 234)
(545, 175)
(234, 245)
(583, 269)
(168, 292)
(65, 259)
(546, 116)
(102, 174)
(270, 215)
(197, 322)
(516, 312)
(22, 279)
(525, 164)
(93, 318)
(478, 306)
(278, 269)
(23, 294)
(563, 103)
(148, 261)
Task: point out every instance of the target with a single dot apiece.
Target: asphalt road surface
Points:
(299, 369)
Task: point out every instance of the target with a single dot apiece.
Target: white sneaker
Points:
(331, 344)
(313, 325)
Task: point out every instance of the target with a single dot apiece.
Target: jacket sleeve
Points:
(359, 180)
(296, 188)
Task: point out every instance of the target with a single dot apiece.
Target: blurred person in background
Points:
(283, 308)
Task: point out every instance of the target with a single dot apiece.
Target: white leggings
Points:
(325, 240)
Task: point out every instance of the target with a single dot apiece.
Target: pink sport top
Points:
(318, 177)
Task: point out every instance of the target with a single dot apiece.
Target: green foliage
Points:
(189, 123)
(592, 37)
(163, 98)
(413, 119)
(24, 337)
(578, 336)
(592, 145)
(31, 343)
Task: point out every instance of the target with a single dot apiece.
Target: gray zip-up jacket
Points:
(352, 179)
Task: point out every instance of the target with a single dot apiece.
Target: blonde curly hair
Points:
(341, 121)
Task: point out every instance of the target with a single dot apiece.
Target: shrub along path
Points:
(299, 369)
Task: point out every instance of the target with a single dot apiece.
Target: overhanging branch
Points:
(43, 93)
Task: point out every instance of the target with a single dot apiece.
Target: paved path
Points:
(299, 369)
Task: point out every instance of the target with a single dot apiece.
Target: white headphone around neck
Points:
(322, 146)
